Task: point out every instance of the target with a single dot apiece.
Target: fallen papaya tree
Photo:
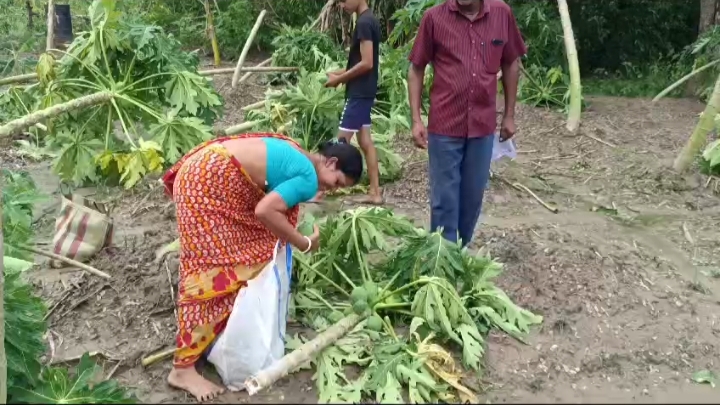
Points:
(417, 281)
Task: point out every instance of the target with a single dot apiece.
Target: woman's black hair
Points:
(349, 159)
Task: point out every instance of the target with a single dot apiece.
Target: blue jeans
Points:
(459, 172)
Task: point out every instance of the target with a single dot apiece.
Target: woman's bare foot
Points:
(190, 380)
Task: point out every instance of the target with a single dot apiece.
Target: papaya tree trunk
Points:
(246, 48)
(23, 123)
(575, 109)
(3, 357)
(50, 41)
(29, 8)
(211, 33)
(697, 140)
(302, 355)
(708, 16)
(18, 79)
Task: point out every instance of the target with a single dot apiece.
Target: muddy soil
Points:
(619, 272)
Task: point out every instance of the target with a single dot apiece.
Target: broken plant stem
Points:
(364, 271)
(403, 288)
(302, 355)
(326, 278)
(700, 133)
(18, 79)
(154, 358)
(575, 108)
(64, 259)
(320, 297)
(342, 273)
(246, 48)
(389, 283)
(389, 328)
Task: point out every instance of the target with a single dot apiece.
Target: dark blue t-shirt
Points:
(367, 28)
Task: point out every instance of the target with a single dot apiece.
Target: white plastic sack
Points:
(254, 337)
(503, 149)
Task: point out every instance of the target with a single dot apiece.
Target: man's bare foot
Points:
(190, 380)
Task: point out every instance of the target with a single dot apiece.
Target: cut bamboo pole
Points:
(239, 128)
(64, 259)
(261, 64)
(23, 123)
(254, 69)
(697, 140)
(246, 48)
(50, 41)
(18, 79)
(300, 356)
(254, 106)
(573, 121)
(211, 33)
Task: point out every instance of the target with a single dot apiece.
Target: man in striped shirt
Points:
(467, 42)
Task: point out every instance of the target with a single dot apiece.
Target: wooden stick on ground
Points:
(64, 259)
(154, 358)
(246, 48)
(549, 207)
(520, 187)
(601, 141)
(303, 354)
(249, 73)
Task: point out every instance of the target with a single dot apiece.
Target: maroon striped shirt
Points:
(466, 57)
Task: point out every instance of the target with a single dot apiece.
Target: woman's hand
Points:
(314, 239)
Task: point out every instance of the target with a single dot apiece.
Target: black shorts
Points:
(356, 114)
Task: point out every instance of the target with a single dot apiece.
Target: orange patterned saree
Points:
(222, 243)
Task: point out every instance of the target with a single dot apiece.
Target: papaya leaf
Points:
(444, 312)
(140, 161)
(76, 160)
(24, 329)
(429, 255)
(178, 135)
(85, 386)
(188, 91)
(490, 305)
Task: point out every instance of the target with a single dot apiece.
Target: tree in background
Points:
(211, 33)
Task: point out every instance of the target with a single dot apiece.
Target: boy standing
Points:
(361, 80)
